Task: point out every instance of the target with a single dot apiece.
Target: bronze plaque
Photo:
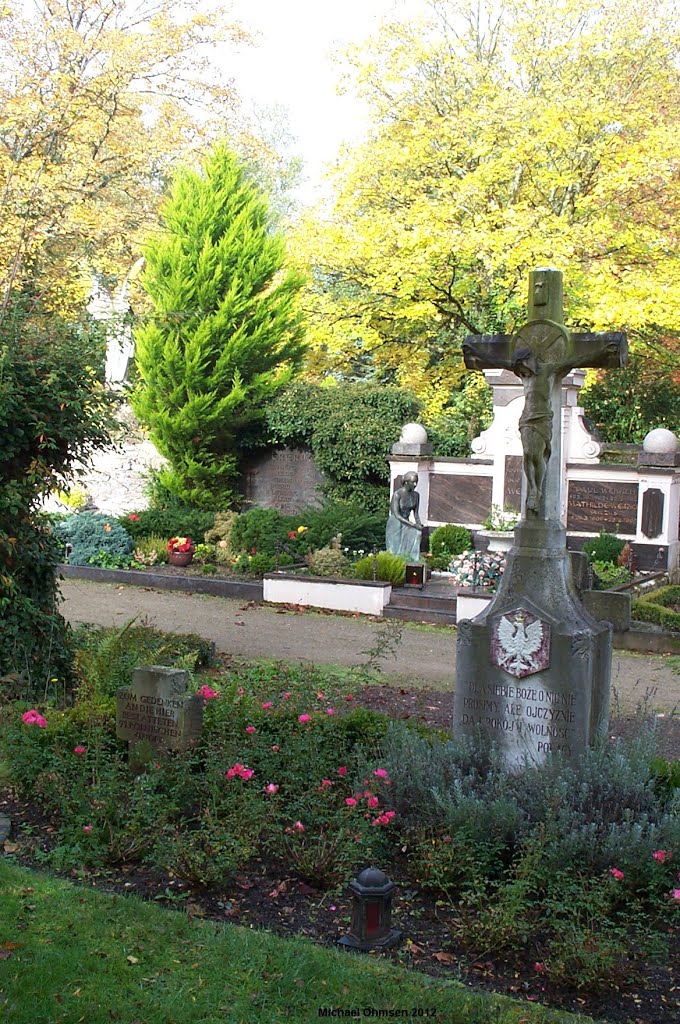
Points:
(596, 505)
(512, 493)
(652, 512)
(459, 499)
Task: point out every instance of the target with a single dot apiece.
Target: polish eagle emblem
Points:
(520, 643)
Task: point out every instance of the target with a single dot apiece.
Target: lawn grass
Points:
(71, 955)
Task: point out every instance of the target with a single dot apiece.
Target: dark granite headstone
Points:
(156, 709)
(595, 505)
(459, 499)
(652, 512)
(286, 479)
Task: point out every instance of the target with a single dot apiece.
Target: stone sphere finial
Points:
(413, 433)
(661, 442)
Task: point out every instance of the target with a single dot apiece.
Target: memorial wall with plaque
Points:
(459, 499)
(609, 505)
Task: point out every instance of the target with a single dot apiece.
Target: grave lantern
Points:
(371, 912)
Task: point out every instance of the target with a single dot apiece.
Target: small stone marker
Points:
(156, 709)
(533, 669)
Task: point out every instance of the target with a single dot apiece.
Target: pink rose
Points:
(250, 728)
(350, 801)
(304, 718)
(382, 773)
(87, 828)
(276, 748)
(330, 711)
(618, 875)
(207, 693)
(373, 801)
(34, 717)
(267, 704)
(79, 751)
(298, 826)
(661, 856)
(271, 788)
(342, 770)
(325, 783)
(675, 894)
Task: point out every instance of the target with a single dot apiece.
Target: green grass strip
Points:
(70, 955)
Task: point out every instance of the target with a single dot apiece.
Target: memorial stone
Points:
(286, 479)
(533, 668)
(157, 711)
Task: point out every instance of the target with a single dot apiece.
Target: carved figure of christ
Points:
(541, 353)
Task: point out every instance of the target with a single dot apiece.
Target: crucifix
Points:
(541, 353)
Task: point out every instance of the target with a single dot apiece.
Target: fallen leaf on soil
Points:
(10, 847)
(133, 960)
(444, 958)
(412, 948)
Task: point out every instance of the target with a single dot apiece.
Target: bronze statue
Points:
(404, 529)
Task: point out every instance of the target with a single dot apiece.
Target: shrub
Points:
(262, 530)
(659, 607)
(607, 575)
(328, 561)
(171, 520)
(220, 533)
(91, 535)
(151, 550)
(606, 547)
(53, 410)
(447, 541)
(389, 568)
(360, 528)
(350, 428)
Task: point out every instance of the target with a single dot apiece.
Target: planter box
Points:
(320, 592)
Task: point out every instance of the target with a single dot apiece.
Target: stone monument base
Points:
(534, 667)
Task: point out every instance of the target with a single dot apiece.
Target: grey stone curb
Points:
(249, 591)
(5, 827)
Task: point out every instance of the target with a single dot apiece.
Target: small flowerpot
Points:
(181, 558)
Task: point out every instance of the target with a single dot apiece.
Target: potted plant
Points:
(180, 550)
(498, 528)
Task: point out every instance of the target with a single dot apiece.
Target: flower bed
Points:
(565, 878)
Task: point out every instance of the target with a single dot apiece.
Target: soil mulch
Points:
(268, 895)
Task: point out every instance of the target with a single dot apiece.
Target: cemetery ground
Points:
(527, 907)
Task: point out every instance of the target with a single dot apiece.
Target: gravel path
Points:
(423, 656)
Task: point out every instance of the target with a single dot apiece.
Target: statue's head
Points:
(411, 477)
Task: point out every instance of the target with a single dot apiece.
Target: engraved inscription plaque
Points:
(286, 479)
(512, 493)
(156, 709)
(459, 499)
(595, 505)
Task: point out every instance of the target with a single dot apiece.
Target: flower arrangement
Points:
(477, 569)
(180, 544)
(501, 520)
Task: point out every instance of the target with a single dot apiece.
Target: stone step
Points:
(432, 615)
(420, 599)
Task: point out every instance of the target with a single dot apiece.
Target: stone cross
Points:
(541, 353)
(533, 669)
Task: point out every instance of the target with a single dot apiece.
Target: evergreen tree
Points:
(226, 334)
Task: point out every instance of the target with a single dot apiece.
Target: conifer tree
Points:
(226, 333)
